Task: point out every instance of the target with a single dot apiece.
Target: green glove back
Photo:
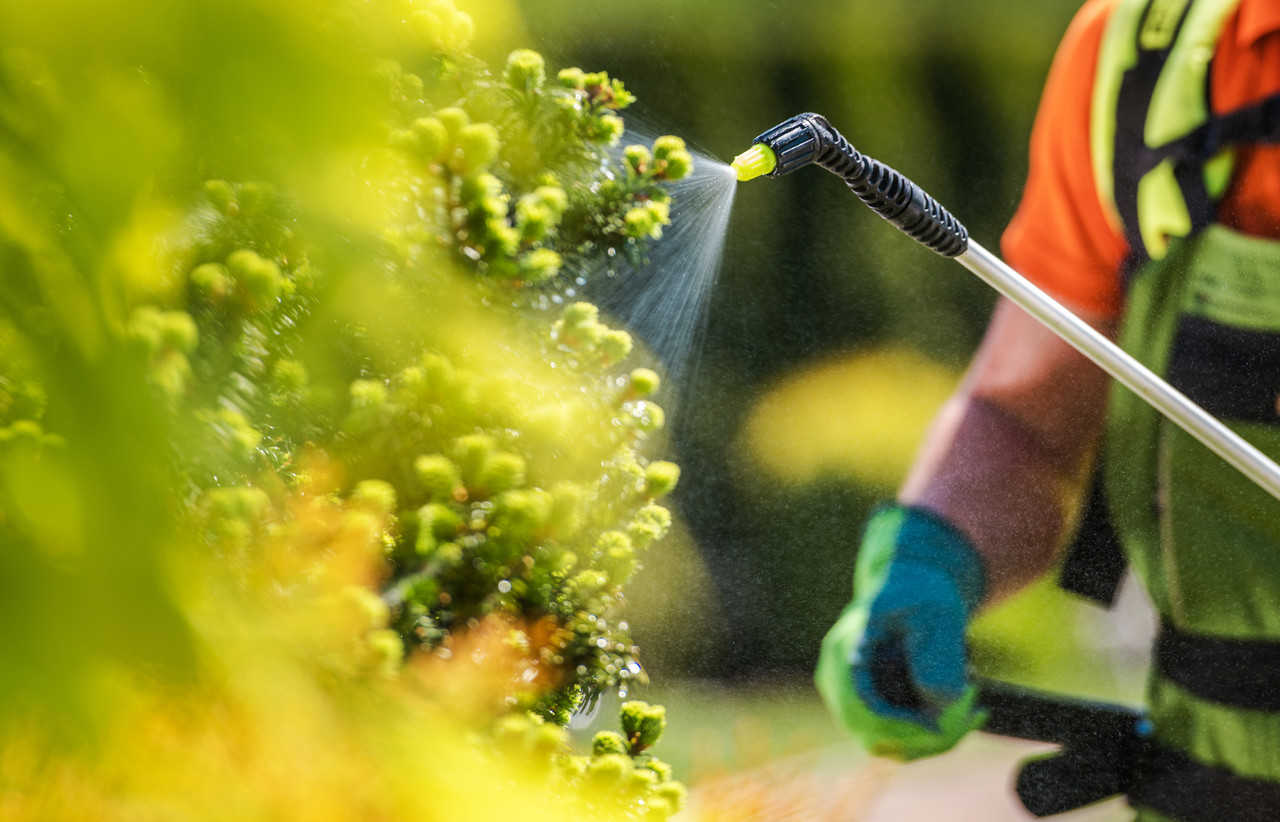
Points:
(917, 582)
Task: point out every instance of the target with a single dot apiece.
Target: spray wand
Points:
(809, 139)
(1105, 748)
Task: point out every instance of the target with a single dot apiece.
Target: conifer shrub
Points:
(386, 415)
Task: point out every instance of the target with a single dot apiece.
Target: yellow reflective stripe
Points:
(1178, 104)
(1162, 212)
(1217, 172)
(1177, 107)
(1118, 54)
(1161, 24)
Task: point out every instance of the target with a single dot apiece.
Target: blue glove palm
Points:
(893, 666)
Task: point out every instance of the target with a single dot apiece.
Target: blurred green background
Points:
(831, 338)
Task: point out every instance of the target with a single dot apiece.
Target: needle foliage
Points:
(298, 419)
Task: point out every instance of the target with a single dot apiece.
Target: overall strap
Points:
(1151, 122)
(1161, 158)
(1133, 160)
(1239, 672)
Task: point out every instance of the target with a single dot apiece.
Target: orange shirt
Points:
(1060, 237)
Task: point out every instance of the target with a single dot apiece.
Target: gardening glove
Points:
(893, 666)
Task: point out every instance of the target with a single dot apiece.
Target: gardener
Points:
(1152, 208)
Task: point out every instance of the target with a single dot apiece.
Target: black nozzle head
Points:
(796, 142)
(808, 139)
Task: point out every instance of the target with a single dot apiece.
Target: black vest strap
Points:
(1181, 788)
(1257, 122)
(1132, 159)
(1240, 673)
(1229, 371)
(1095, 565)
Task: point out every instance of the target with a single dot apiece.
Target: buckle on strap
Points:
(1240, 673)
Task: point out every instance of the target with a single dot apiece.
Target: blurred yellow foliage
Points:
(860, 416)
(290, 713)
(158, 665)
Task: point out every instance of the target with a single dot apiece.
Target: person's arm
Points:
(1010, 455)
(995, 486)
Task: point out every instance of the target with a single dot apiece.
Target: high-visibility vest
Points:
(1202, 309)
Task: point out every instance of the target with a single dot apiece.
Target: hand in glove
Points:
(893, 666)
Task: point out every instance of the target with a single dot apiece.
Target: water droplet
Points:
(602, 643)
(622, 693)
(633, 667)
(505, 586)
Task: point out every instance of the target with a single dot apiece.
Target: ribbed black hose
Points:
(809, 139)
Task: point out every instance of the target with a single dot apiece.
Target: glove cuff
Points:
(918, 535)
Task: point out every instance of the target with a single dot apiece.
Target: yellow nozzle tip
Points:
(755, 162)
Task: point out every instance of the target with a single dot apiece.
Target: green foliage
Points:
(608, 742)
(515, 171)
(331, 383)
(660, 479)
(615, 777)
(615, 774)
(643, 724)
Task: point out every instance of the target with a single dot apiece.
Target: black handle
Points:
(1074, 723)
(809, 138)
(1103, 745)
(1072, 779)
(1019, 712)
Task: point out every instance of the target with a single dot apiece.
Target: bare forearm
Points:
(1009, 457)
(998, 483)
